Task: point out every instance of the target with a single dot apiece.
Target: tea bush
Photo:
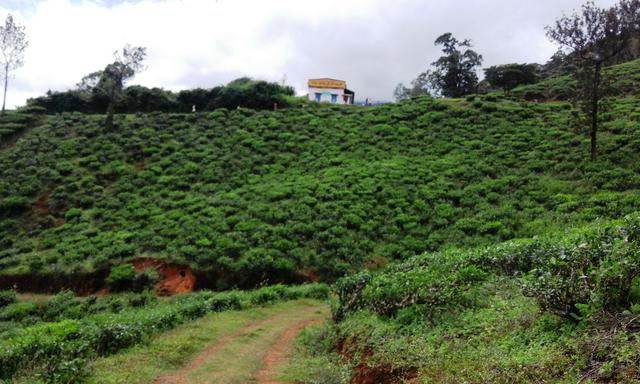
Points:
(124, 277)
(548, 301)
(7, 297)
(251, 197)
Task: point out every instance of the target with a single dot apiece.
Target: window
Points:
(334, 98)
(318, 96)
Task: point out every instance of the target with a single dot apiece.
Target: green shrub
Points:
(121, 277)
(124, 277)
(72, 214)
(58, 351)
(232, 300)
(596, 268)
(7, 297)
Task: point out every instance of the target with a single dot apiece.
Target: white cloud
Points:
(373, 44)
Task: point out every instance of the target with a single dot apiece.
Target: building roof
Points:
(325, 78)
(327, 83)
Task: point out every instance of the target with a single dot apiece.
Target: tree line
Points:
(104, 90)
(244, 92)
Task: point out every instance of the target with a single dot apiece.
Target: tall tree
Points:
(454, 73)
(509, 76)
(595, 36)
(109, 83)
(13, 43)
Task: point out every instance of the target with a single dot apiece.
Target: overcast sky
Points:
(372, 44)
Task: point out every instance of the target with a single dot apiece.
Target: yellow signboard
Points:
(327, 83)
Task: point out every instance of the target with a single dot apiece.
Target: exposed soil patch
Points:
(12, 139)
(41, 206)
(367, 373)
(175, 278)
(276, 356)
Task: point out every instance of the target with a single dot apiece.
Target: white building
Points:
(330, 91)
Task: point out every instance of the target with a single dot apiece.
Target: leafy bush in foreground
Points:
(51, 347)
(552, 309)
(593, 269)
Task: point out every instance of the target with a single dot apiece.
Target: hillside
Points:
(562, 308)
(246, 197)
(624, 81)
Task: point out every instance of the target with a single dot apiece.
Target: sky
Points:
(372, 44)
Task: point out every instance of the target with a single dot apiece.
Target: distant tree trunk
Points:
(108, 123)
(6, 84)
(594, 109)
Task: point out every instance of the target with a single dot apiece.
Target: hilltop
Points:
(311, 192)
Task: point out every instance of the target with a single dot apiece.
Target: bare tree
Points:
(595, 37)
(13, 43)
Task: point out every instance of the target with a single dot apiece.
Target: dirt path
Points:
(252, 354)
(276, 356)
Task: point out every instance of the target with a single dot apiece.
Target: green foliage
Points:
(124, 277)
(549, 301)
(315, 361)
(624, 79)
(509, 76)
(454, 73)
(57, 350)
(243, 92)
(593, 271)
(319, 192)
(7, 297)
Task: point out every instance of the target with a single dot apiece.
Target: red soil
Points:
(367, 373)
(175, 278)
(41, 206)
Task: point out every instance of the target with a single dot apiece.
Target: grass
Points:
(37, 297)
(172, 350)
(313, 360)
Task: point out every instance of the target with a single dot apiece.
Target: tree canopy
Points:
(454, 73)
(509, 76)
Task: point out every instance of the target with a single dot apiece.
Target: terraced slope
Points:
(250, 197)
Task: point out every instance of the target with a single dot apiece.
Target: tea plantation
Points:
(560, 308)
(470, 240)
(312, 192)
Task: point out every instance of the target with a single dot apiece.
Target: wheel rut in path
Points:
(277, 355)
